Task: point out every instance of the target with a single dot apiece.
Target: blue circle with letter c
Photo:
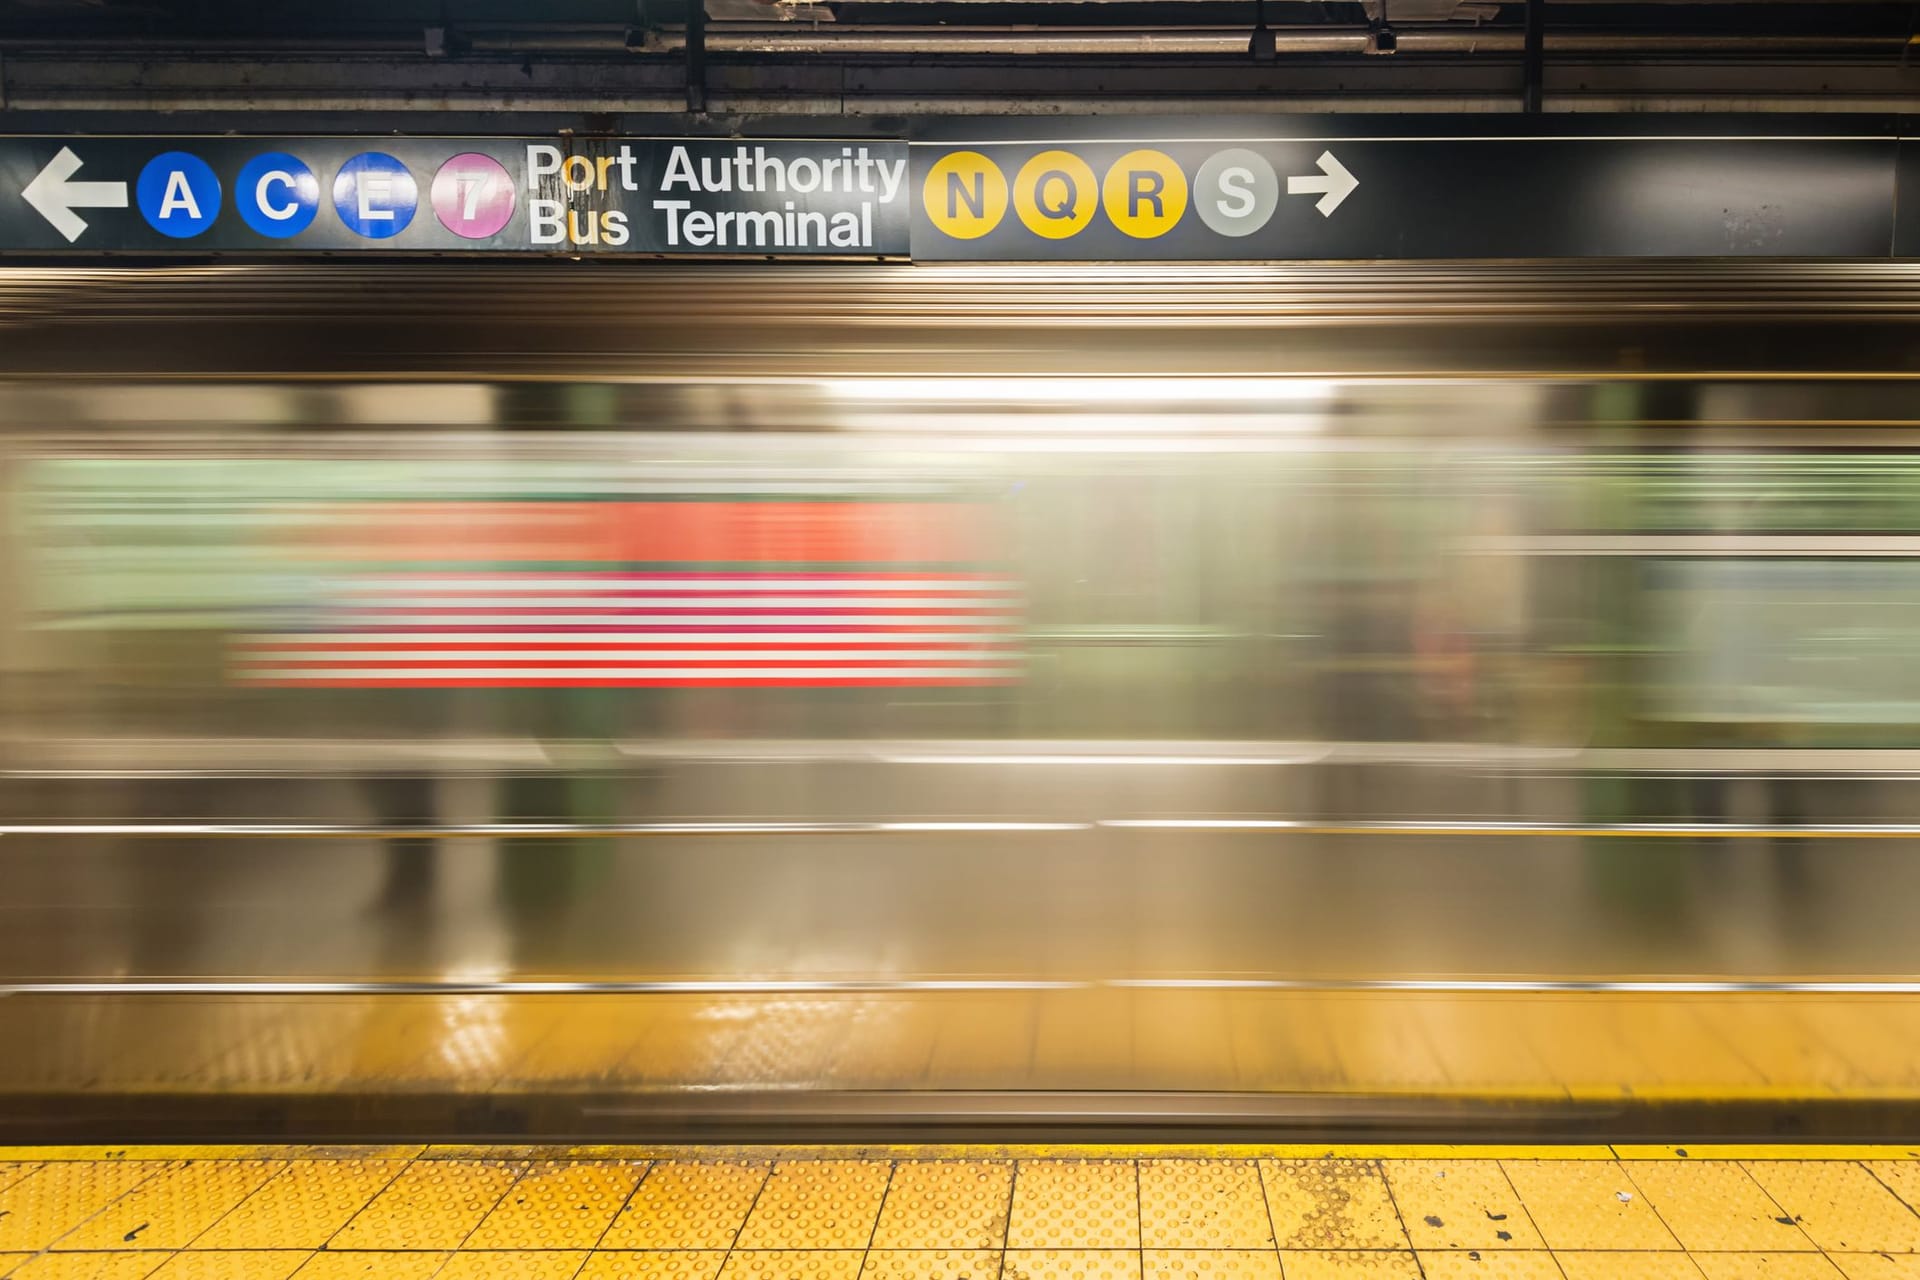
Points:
(179, 195)
(277, 195)
(374, 195)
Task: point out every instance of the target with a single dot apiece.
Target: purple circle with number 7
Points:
(473, 196)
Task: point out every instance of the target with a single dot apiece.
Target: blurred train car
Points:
(786, 629)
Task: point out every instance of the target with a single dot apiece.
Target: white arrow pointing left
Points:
(56, 198)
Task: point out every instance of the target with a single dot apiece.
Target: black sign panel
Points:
(999, 190)
(1906, 236)
(758, 197)
(1337, 196)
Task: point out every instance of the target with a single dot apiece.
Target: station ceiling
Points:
(872, 57)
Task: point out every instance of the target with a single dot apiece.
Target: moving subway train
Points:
(580, 700)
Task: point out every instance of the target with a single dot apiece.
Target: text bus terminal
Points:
(751, 170)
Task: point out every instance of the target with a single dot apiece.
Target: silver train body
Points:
(788, 631)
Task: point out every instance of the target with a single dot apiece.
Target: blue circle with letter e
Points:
(375, 195)
(277, 195)
(178, 194)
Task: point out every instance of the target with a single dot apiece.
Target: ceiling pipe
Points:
(796, 38)
(1536, 57)
(793, 39)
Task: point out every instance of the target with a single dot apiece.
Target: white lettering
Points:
(768, 228)
(673, 209)
(1236, 192)
(278, 212)
(543, 161)
(374, 185)
(891, 176)
(679, 169)
(179, 196)
(616, 226)
(812, 171)
(547, 221)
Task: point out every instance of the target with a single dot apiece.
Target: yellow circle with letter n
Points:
(965, 195)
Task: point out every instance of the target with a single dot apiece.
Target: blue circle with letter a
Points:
(374, 195)
(277, 195)
(178, 194)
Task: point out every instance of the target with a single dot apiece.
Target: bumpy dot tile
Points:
(1075, 1204)
(1459, 1204)
(932, 1264)
(434, 1204)
(1766, 1266)
(169, 1209)
(51, 1201)
(1587, 1204)
(88, 1266)
(302, 1206)
(946, 1204)
(817, 1204)
(1349, 1264)
(1580, 1264)
(1320, 1205)
(232, 1264)
(1203, 1204)
(1489, 1264)
(375, 1264)
(792, 1264)
(557, 1206)
(1877, 1266)
(1212, 1264)
(687, 1205)
(1840, 1205)
(1071, 1264)
(513, 1264)
(653, 1265)
(1714, 1206)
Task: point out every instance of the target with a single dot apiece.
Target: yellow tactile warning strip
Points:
(960, 1213)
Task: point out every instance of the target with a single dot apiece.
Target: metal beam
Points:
(696, 55)
(246, 93)
(1535, 64)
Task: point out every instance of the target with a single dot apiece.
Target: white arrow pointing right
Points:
(56, 198)
(1333, 184)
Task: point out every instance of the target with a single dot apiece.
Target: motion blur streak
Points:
(1295, 687)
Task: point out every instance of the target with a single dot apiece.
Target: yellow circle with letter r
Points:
(965, 195)
(1055, 194)
(1145, 193)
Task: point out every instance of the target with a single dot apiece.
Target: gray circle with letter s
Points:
(1236, 192)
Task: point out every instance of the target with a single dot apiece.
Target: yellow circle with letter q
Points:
(965, 195)
(1055, 194)
(1144, 193)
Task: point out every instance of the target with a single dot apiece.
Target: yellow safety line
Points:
(1031, 1151)
(1762, 1151)
(879, 1151)
(211, 1151)
(980, 1151)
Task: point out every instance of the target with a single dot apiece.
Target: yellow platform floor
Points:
(954, 1213)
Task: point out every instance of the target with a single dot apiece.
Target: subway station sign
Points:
(1323, 196)
(450, 195)
(1090, 189)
